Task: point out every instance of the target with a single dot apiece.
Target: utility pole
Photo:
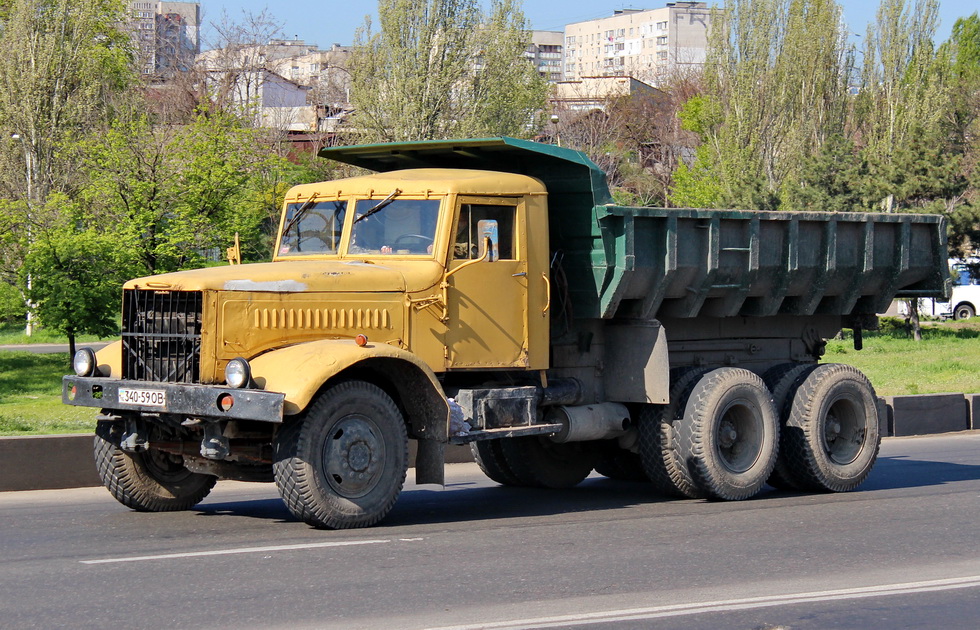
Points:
(29, 163)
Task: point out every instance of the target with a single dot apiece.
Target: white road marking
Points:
(697, 608)
(225, 552)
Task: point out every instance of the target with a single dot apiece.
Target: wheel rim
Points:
(843, 431)
(739, 436)
(165, 467)
(354, 456)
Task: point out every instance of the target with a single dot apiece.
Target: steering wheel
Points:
(421, 240)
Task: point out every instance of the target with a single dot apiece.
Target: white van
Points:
(965, 300)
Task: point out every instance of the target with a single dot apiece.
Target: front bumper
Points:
(194, 401)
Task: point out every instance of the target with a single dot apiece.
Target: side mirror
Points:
(487, 229)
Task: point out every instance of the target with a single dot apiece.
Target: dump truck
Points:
(490, 293)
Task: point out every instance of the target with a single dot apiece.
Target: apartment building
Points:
(648, 44)
(545, 53)
(166, 34)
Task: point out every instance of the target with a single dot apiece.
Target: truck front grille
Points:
(162, 336)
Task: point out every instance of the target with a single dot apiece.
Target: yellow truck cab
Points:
(488, 292)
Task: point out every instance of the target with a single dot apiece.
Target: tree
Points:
(78, 271)
(963, 48)
(174, 192)
(832, 180)
(64, 62)
(443, 68)
(905, 89)
(775, 88)
(236, 68)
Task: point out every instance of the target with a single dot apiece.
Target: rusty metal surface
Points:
(197, 401)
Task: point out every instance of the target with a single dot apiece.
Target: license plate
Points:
(143, 397)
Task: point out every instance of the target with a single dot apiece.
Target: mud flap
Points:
(430, 462)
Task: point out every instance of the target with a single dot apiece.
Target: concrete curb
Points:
(65, 461)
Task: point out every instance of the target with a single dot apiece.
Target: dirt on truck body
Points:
(488, 292)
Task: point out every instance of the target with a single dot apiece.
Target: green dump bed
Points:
(725, 263)
(681, 263)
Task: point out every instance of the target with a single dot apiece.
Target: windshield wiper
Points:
(300, 213)
(381, 205)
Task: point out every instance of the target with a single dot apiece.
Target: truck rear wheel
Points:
(729, 434)
(783, 380)
(538, 462)
(343, 463)
(832, 437)
(490, 458)
(659, 452)
(150, 481)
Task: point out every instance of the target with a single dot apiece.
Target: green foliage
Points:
(697, 186)
(63, 62)
(776, 86)
(173, 193)
(12, 307)
(906, 86)
(443, 68)
(965, 44)
(832, 180)
(76, 273)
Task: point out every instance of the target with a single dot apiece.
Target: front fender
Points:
(300, 371)
(109, 359)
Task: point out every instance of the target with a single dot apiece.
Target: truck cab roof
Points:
(567, 173)
(423, 181)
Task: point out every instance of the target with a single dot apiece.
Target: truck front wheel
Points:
(342, 464)
(729, 434)
(150, 481)
(964, 311)
(831, 436)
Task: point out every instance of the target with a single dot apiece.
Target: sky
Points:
(327, 22)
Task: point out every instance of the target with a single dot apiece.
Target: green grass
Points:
(30, 396)
(13, 334)
(945, 361)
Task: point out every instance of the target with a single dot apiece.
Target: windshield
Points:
(312, 228)
(400, 226)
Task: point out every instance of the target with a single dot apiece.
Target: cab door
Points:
(487, 301)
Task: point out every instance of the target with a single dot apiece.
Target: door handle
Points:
(547, 283)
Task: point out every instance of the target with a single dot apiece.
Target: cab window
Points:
(400, 226)
(312, 228)
(476, 221)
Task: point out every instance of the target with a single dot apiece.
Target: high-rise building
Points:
(645, 44)
(545, 52)
(166, 34)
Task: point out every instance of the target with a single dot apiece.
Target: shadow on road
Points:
(904, 472)
(460, 503)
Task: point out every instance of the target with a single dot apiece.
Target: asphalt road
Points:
(902, 552)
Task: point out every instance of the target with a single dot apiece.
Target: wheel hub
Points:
(739, 437)
(359, 457)
(353, 456)
(727, 435)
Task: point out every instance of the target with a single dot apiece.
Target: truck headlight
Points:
(84, 362)
(238, 373)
